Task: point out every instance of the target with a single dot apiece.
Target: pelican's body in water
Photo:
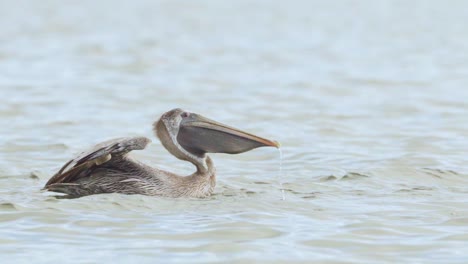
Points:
(106, 168)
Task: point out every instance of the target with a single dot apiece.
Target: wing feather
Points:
(87, 161)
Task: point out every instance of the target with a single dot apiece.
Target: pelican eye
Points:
(185, 115)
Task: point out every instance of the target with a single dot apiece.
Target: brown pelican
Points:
(107, 168)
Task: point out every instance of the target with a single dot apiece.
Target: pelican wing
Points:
(85, 162)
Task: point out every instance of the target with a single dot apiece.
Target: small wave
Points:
(8, 206)
(417, 188)
(439, 173)
(348, 176)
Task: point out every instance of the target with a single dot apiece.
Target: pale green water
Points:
(369, 100)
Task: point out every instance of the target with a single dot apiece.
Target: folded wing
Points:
(86, 162)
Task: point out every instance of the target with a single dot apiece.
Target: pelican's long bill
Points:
(200, 135)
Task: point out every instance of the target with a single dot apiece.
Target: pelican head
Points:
(189, 136)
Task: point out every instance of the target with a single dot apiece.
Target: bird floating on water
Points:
(107, 168)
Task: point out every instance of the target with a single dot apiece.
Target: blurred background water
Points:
(368, 98)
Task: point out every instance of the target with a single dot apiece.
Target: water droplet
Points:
(280, 176)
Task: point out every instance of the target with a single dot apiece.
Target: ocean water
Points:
(369, 100)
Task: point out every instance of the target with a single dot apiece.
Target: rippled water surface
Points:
(368, 98)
